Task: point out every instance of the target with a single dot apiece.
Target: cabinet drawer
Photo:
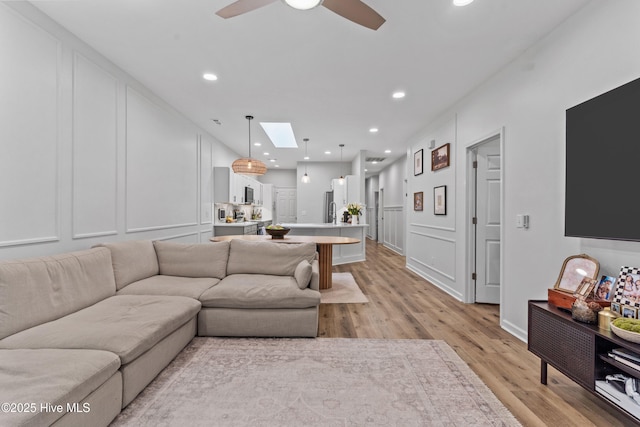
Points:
(564, 345)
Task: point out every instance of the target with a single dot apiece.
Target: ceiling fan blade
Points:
(242, 6)
(356, 11)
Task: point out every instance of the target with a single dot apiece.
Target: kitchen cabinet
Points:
(339, 192)
(235, 229)
(229, 186)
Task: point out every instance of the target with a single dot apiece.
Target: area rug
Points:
(316, 382)
(344, 290)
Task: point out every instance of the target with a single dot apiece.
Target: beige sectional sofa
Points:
(82, 333)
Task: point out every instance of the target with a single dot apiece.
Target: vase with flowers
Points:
(355, 210)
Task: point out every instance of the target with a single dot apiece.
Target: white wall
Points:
(311, 195)
(592, 52)
(391, 182)
(280, 177)
(88, 154)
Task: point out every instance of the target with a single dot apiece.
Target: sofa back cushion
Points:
(39, 290)
(279, 259)
(193, 260)
(132, 261)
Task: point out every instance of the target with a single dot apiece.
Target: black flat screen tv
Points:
(602, 197)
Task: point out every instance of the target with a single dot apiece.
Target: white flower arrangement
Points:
(354, 208)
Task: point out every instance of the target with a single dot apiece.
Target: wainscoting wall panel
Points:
(95, 133)
(161, 157)
(30, 96)
(394, 228)
(206, 180)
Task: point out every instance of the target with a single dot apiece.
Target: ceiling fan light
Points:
(303, 4)
(462, 2)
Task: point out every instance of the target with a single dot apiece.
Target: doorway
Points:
(380, 218)
(376, 207)
(485, 181)
(286, 200)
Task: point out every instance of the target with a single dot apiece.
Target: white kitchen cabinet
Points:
(339, 192)
(353, 189)
(224, 186)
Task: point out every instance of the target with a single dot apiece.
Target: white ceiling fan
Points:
(354, 10)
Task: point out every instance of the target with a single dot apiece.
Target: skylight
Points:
(281, 134)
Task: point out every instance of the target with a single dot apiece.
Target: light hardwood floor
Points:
(404, 306)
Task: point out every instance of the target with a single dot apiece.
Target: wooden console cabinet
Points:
(578, 350)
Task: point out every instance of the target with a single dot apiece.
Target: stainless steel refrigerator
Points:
(328, 198)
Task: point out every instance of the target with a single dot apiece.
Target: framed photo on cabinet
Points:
(417, 162)
(440, 200)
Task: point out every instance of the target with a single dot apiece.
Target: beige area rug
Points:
(316, 382)
(344, 290)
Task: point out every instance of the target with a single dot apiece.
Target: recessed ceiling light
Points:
(387, 151)
(373, 130)
(272, 160)
(366, 170)
(462, 2)
(277, 166)
(210, 77)
(281, 134)
(398, 95)
(257, 144)
(306, 157)
(266, 154)
(374, 162)
(327, 152)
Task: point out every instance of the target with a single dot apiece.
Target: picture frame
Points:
(615, 307)
(440, 200)
(585, 288)
(574, 269)
(418, 201)
(440, 157)
(627, 291)
(605, 288)
(629, 311)
(418, 162)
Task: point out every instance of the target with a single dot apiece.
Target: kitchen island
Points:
(342, 254)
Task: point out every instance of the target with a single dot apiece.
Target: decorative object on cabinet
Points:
(615, 307)
(247, 165)
(417, 162)
(277, 233)
(440, 200)
(604, 290)
(629, 312)
(584, 311)
(585, 289)
(628, 287)
(305, 177)
(574, 269)
(440, 157)
(626, 328)
(418, 201)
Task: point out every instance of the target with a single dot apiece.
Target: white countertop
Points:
(321, 225)
(236, 224)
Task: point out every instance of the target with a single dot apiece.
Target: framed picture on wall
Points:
(417, 162)
(440, 157)
(440, 200)
(418, 201)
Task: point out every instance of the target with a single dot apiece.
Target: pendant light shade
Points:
(247, 165)
(305, 177)
(341, 179)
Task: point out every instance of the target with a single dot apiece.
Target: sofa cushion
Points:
(56, 377)
(259, 291)
(191, 287)
(192, 260)
(303, 274)
(127, 325)
(279, 259)
(132, 261)
(38, 290)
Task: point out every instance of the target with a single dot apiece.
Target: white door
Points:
(286, 205)
(488, 203)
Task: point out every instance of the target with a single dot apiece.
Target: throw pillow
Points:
(303, 274)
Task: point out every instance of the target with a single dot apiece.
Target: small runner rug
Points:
(344, 290)
(316, 382)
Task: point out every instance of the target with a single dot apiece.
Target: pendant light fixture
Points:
(247, 165)
(305, 177)
(341, 179)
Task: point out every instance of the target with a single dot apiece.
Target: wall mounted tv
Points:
(602, 198)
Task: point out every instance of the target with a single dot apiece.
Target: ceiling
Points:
(329, 77)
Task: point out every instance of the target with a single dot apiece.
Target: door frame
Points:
(470, 289)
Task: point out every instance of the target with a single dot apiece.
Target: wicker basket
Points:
(626, 335)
